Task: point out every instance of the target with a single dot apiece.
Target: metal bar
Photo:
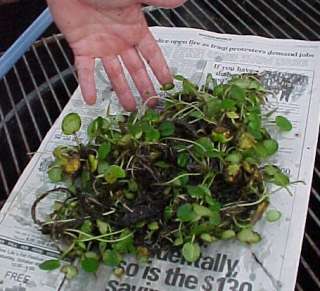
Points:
(222, 16)
(206, 15)
(304, 12)
(317, 172)
(28, 104)
(10, 143)
(47, 78)
(296, 18)
(283, 19)
(314, 217)
(179, 16)
(153, 18)
(65, 57)
(269, 20)
(56, 67)
(22, 44)
(316, 194)
(166, 17)
(310, 7)
(256, 20)
(237, 17)
(194, 17)
(310, 271)
(31, 96)
(37, 91)
(4, 179)
(298, 287)
(14, 109)
(312, 244)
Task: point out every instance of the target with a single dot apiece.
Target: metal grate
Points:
(34, 92)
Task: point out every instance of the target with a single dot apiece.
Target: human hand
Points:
(107, 29)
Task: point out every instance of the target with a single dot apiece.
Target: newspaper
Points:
(291, 69)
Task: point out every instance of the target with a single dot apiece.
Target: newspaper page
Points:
(291, 70)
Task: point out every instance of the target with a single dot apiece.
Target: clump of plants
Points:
(192, 173)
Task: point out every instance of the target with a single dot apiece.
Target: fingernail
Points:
(90, 101)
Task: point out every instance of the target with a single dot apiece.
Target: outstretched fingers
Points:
(139, 75)
(119, 83)
(85, 69)
(155, 58)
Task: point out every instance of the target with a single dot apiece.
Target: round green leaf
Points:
(283, 123)
(151, 115)
(55, 174)
(228, 234)
(271, 146)
(113, 173)
(70, 271)
(135, 130)
(112, 258)
(199, 191)
(281, 179)
(151, 134)
(86, 226)
(183, 160)
(201, 210)
(207, 237)
(71, 123)
(237, 93)
(185, 212)
(153, 225)
(191, 251)
(214, 203)
(102, 226)
(178, 241)
(167, 128)
(266, 148)
(102, 166)
(104, 150)
(246, 235)
(271, 170)
(215, 218)
(273, 215)
(50, 265)
(90, 265)
(234, 158)
(125, 245)
(228, 104)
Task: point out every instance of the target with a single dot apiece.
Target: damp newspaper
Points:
(291, 69)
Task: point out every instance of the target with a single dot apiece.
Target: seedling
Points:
(193, 173)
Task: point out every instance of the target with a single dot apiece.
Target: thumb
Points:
(164, 3)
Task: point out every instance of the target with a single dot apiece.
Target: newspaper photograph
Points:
(288, 68)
